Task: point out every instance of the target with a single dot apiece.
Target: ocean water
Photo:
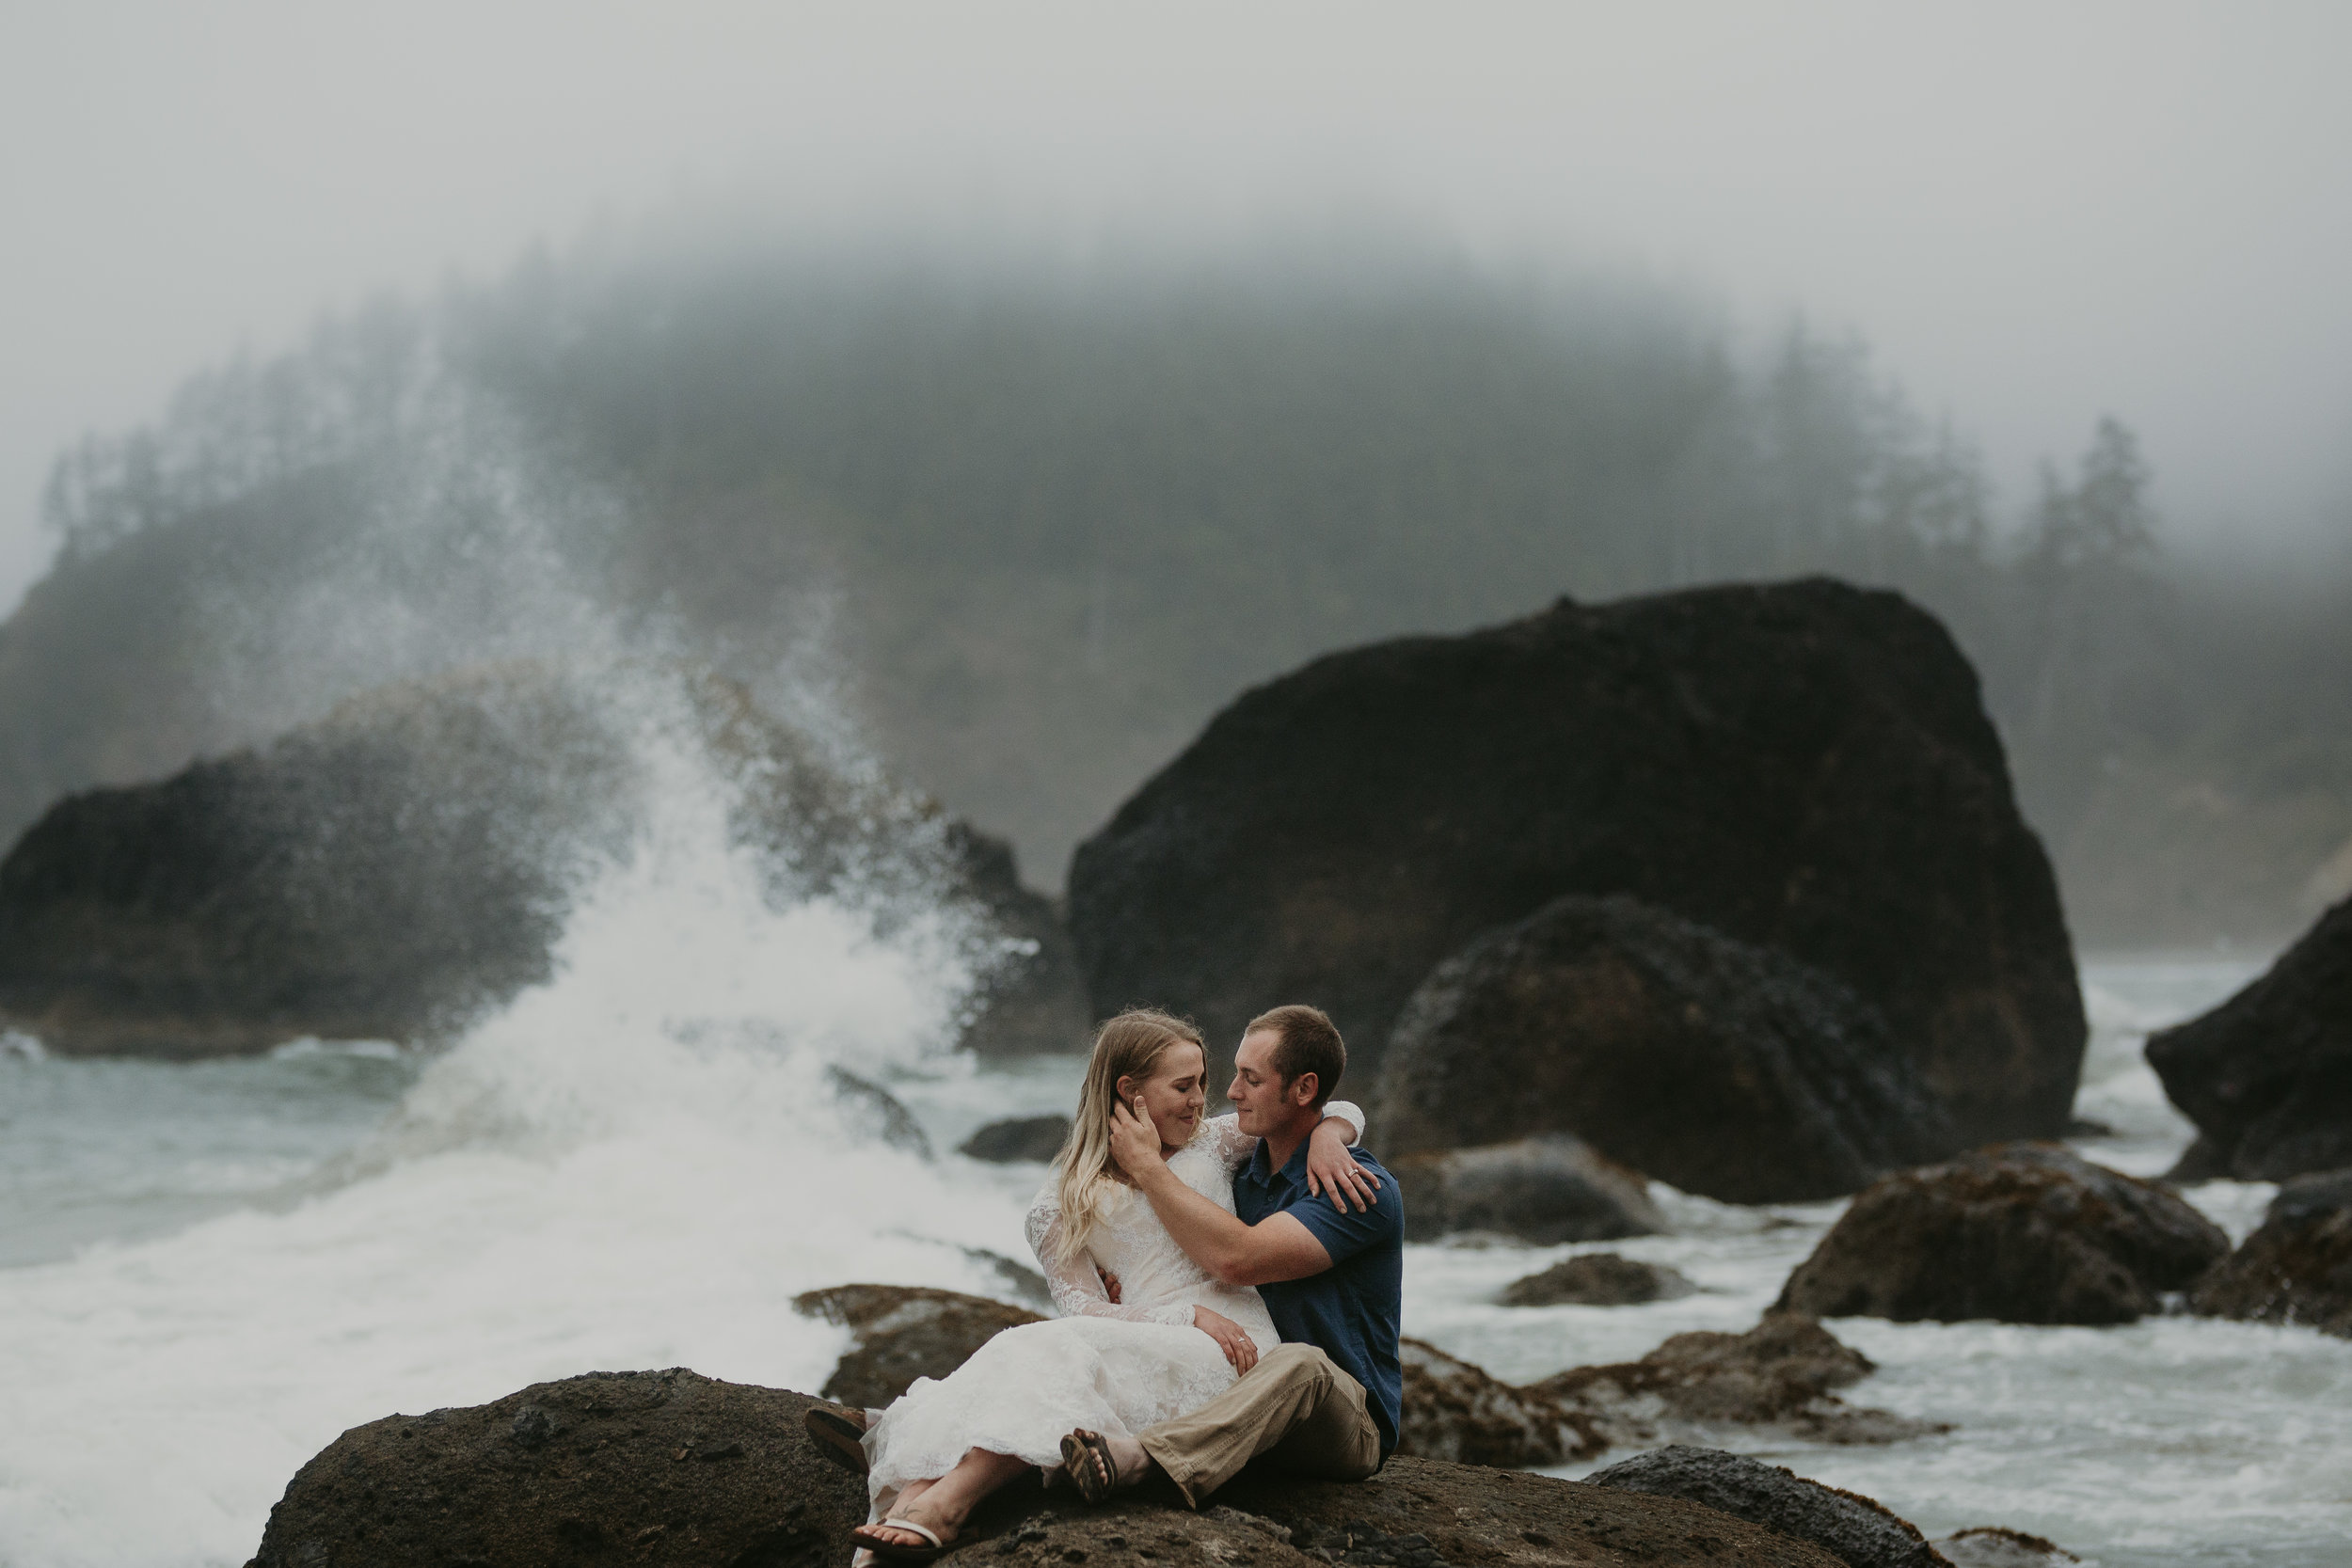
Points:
(208, 1271)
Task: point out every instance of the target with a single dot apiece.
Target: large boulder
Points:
(1859, 1531)
(2268, 1075)
(903, 1331)
(1545, 1190)
(2297, 1267)
(1726, 1070)
(645, 1467)
(395, 868)
(1806, 766)
(2023, 1233)
(674, 1468)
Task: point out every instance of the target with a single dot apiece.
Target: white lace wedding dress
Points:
(1110, 1368)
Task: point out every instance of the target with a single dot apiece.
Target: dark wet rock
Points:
(1415, 1513)
(874, 1111)
(1723, 1068)
(1991, 1546)
(2297, 1267)
(1019, 1280)
(675, 1468)
(1783, 1374)
(1030, 1000)
(1020, 1139)
(2268, 1075)
(399, 866)
(1596, 1279)
(1854, 1529)
(642, 1467)
(1543, 1190)
(1456, 1411)
(2023, 1233)
(903, 1331)
(1803, 766)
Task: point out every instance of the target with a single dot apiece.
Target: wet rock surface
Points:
(2268, 1075)
(1596, 1279)
(1854, 1529)
(2025, 1233)
(1018, 1138)
(1781, 1375)
(1544, 1190)
(903, 1331)
(2297, 1267)
(397, 867)
(1991, 1546)
(1725, 1069)
(674, 1468)
(1415, 1513)
(643, 1467)
(1803, 767)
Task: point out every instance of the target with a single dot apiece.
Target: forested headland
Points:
(1032, 525)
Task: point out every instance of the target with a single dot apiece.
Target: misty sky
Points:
(2035, 213)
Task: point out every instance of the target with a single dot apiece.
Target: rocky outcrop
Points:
(1779, 1376)
(1782, 1375)
(2297, 1267)
(2025, 1233)
(2268, 1075)
(1543, 1190)
(1723, 1068)
(1596, 1279)
(1991, 1546)
(1803, 766)
(674, 1468)
(903, 1331)
(399, 866)
(643, 1467)
(1018, 1139)
(1856, 1530)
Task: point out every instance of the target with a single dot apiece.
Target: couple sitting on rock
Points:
(1230, 1289)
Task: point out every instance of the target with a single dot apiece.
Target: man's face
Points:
(1263, 1105)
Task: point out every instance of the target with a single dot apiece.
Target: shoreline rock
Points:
(1804, 767)
(2297, 1267)
(675, 1470)
(1781, 1375)
(1596, 1279)
(404, 864)
(1859, 1531)
(1545, 1190)
(2268, 1075)
(2026, 1233)
(1726, 1070)
(1016, 1139)
(903, 1331)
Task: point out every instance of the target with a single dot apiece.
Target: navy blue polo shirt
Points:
(1352, 1311)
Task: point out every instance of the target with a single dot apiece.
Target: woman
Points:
(1172, 1338)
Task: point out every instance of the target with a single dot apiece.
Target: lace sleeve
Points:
(1078, 1290)
(1234, 1147)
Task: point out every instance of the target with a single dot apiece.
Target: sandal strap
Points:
(910, 1525)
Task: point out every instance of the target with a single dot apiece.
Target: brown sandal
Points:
(1086, 1458)
(839, 1433)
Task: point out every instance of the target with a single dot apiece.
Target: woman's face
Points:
(1173, 1095)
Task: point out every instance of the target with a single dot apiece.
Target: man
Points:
(1326, 1402)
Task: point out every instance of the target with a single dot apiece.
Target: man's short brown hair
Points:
(1306, 1042)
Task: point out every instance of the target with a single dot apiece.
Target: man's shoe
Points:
(839, 1433)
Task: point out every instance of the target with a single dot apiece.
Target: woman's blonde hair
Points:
(1128, 1046)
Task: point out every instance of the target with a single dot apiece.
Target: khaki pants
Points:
(1294, 1406)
